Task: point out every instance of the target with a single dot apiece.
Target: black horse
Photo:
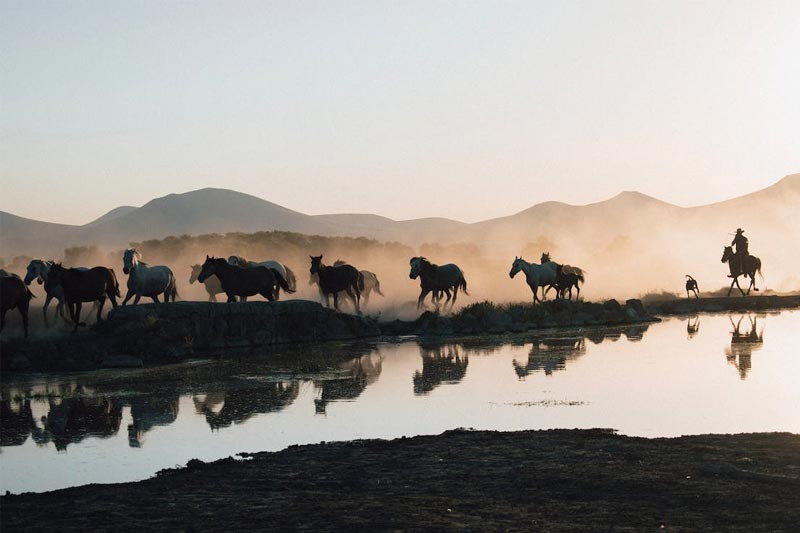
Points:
(243, 282)
(334, 279)
(435, 278)
(691, 285)
(566, 279)
(14, 294)
(746, 266)
(80, 286)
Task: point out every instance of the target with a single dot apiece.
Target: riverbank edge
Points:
(554, 480)
(157, 334)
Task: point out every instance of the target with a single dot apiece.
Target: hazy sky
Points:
(464, 109)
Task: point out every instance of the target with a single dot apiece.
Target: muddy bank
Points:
(150, 334)
(561, 480)
(715, 305)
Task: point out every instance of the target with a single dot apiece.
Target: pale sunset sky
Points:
(463, 109)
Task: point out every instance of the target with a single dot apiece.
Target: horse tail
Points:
(377, 285)
(581, 277)
(758, 269)
(290, 278)
(116, 283)
(282, 281)
(360, 281)
(462, 283)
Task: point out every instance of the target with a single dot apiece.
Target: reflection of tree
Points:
(150, 411)
(15, 424)
(692, 326)
(242, 403)
(73, 419)
(356, 374)
(441, 363)
(550, 354)
(743, 345)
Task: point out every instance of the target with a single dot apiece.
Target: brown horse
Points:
(334, 279)
(742, 266)
(80, 286)
(243, 282)
(14, 293)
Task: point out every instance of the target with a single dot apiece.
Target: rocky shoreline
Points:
(153, 334)
(557, 480)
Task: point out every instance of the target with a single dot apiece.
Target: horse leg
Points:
(269, 294)
(422, 294)
(231, 297)
(100, 309)
(155, 298)
(128, 297)
(736, 279)
(23, 310)
(336, 301)
(731, 288)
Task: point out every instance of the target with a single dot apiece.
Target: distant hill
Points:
(627, 233)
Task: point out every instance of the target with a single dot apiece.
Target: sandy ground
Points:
(563, 480)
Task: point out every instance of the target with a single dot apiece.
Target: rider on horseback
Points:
(741, 244)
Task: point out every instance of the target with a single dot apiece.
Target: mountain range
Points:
(630, 223)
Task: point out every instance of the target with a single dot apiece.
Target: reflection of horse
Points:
(550, 354)
(692, 326)
(148, 412)
(14, 294)
(440, 364)
(144, 280)
(371, 283)
(740, 352)
(435, 278)
(74, 419)
(336, 279)
(15, 424)
(243, 282)
(742, 266)
(357, 374)
(536, 275)
(211, 283)
(284, 271)
(242, 403)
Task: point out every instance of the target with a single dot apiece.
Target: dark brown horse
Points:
(742, 266)
(334, 279)
(80, 286)
(14, 293)
(243, 282)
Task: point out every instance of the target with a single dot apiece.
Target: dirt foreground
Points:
(561, 480)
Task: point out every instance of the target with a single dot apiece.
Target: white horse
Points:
(371, 283)
(284, 271)
(212, 284)
(39, 270)
(144, 280)
(536, 275)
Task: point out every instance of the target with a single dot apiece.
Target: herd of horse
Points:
(240, 279)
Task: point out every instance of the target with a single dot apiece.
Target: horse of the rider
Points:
(741, 263)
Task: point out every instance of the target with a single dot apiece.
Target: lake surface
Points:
(681, 376)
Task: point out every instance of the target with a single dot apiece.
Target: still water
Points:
(702, 374)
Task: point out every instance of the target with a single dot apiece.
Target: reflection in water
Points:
(70, 420)
(241, 404)
(16, 422)
(148, 412)
(692, 326)
(740, 352)
(351, 380)
(441, 363)
(551, 353)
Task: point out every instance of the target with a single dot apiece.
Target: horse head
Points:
(36, 271)
(208, 269)
(516, 266)
(546, 257)
(416, 266)
(727, 254)
(195, 273)
(316, 263)
(237, 260)
(129, 259)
